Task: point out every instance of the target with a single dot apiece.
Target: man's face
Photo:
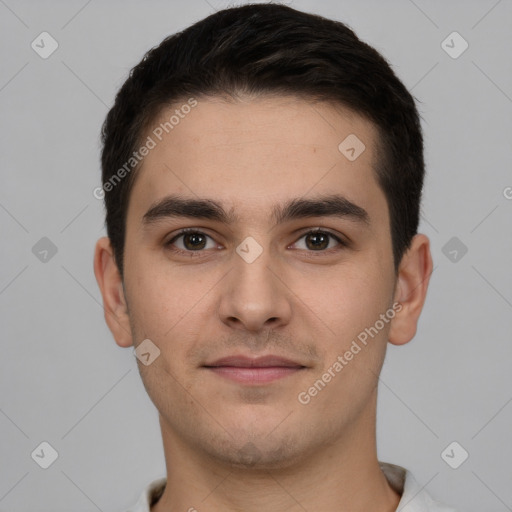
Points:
(253, 287)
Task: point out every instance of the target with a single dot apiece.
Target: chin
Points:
(256, 453)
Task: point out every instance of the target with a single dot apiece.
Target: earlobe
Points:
(112, 290)
(411, 289)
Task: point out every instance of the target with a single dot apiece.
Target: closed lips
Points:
(259, 362)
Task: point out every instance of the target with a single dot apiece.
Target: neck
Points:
(341, 476)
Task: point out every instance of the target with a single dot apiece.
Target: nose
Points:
(254, 296)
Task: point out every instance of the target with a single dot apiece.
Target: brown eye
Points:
(192, 240)
(319, 241)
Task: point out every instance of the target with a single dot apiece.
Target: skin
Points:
(230, 446)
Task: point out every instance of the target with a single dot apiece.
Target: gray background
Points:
(63, 379)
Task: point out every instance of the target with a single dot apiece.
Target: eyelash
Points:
(185, 231)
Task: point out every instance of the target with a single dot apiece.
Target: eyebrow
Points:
(333, 205)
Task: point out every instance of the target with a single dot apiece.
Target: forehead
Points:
(255, 153)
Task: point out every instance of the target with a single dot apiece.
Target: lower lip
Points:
(254, 375)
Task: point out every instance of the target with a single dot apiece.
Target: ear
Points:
(111, 286)
(411, 289)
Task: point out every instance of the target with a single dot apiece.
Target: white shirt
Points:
(414, 497)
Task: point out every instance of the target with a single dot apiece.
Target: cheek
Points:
(167, 305)
(349, 300)
(157, 299)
